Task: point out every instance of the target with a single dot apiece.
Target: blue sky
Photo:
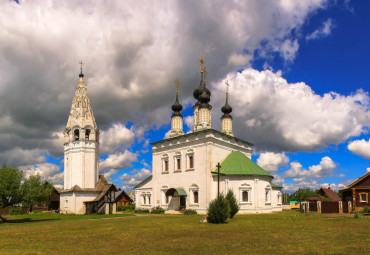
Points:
(298, 73)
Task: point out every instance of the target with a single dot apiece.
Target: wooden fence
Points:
(326, 207)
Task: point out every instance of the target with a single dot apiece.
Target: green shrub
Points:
(218, 210)
(157, 210)
(141, 211)
(190, 212)
(126, 208)
(15, 211)
(366, 209)
(233, 204)
(355, 216)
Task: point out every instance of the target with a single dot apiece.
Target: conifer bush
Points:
(218, 210)
(157, 210)
(233, 204)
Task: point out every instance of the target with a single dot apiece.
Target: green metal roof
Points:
(181, 192)
(276, 186)
(239, 164)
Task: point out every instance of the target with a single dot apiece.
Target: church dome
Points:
(226, 109)
(177, 107)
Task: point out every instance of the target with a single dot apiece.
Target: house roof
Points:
(100, 186)
(143, 182)
(237, 163)
(121, 193)
(330, 194)
(359, 180)
(203, 131)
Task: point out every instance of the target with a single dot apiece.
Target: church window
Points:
(87, 134)
(165, 163)
(178, 164)
(195, 197)
(177, 161)
(190, 159)
(279, 198)
(76, 135)
(149, 202)
(245, 196)
(268, 194)
(194, 194)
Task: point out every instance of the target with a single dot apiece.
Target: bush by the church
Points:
(158, 210)
(190, 212)
(15, 211)
(141, 211)
(218, 210)
(233, 204)
(126, 208)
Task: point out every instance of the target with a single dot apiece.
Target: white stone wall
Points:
(256, 186)
(72, 202)
(80, 164)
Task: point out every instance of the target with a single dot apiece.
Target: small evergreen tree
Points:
(233, 204)
(218, 210)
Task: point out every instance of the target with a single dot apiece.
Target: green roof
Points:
(239, 164)
(276, 186)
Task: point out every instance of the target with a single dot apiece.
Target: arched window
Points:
(87, 134)
(76, 135)
(245, 194)
(194, 194)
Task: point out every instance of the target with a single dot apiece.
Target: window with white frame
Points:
(146, 198)
(165, 165)
(190, 159)
(194, 194)
(279, 198)
(177, 161)
(268, 194)
(363, 197)
(164, 195)
(245, 194)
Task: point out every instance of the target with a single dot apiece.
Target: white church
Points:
(183, 165)
(84, 191)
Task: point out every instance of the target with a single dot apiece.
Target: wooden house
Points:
(358, 193)
(122, 198)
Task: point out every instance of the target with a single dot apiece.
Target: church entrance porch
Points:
(176, 199)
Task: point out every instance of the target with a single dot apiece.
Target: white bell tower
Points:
(81, 142)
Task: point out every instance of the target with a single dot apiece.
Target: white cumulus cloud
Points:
(360, 147)
(116, 137)
(271, 161)
(323, 31)
(279, 116)
(324, 169)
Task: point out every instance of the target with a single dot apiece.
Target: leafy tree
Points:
(10, 186)
(233, 204)
(303, 194)
(34, 190)
(218, 210)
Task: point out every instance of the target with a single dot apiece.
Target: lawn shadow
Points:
(24, 220)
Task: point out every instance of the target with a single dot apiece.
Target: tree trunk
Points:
(2, 218)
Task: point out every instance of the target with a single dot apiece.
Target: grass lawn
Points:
(288, 232)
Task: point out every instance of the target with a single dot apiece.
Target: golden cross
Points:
(201, 64)
(227, 87)
(177, 86)
(205, 73)
(81, 65)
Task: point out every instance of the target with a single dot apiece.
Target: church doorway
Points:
(176, 199)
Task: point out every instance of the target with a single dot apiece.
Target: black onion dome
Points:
(226, 108)
(205, 97)
(177, 107)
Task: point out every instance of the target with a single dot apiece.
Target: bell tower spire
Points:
(176, 119)
(81, 141)
(226, 119)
